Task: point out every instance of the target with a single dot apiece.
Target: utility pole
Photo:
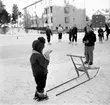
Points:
(49, 12)
(109, 10)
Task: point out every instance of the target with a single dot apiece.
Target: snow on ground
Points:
(17, 84)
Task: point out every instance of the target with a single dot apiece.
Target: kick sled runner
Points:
(81, 69)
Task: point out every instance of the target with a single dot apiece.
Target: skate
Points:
(49, 43)
(69, 42)
(42, 97)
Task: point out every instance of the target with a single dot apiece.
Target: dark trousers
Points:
(70, 37)
(74, 38)
(59, 35)
(89, 53)
(107, 35)
(41, 82)
(100, 38)
(48, 38)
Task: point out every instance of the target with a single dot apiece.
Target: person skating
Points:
(60, 30)
(107, 30)
(48, 34)
(100, 34)
(39, 63)
(69, 32)
(74, 34)
(89, 41)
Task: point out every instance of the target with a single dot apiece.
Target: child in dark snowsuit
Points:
(39, 64)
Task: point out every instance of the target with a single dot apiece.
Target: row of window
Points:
(47, 21)
(66, 10)
(47, 10)
(67, 20)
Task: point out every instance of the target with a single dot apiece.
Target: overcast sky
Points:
(90, 5)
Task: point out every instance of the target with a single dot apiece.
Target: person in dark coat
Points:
(39, 63)
(107, 30)
(100, 34)
(89, 40)
(60, 31)
(70, 36)
(74, 34)
(48, 34)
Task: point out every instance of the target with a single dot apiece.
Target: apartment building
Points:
(33, 14)
(41, 14)
(67, 16)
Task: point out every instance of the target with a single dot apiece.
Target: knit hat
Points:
(38, 44)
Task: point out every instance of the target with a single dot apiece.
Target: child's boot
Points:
(42, 96)
(36, 95)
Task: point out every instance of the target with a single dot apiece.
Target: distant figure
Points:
(26, 30)
(74, 34)
(100, 34)
(69, 32)
(107, 31)
(89, 41)
(17, 37)
(60, 30)
(48, 34)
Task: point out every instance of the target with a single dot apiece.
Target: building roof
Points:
(98, 12)
(101, 12)
(32, 4)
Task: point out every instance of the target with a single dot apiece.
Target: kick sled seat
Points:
(81, 66)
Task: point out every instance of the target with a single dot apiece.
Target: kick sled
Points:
(81, 69)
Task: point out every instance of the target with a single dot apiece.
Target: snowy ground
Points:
(17, 84)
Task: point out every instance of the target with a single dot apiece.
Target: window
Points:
(46, 20)
(73, 9)
(66, 27)
(66, 10)
(45, 10)
(66, 19)
(51, 19)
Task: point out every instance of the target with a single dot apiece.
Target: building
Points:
(98, 19)
(47, 13)
(67, 16)
(103, 15)
(33, 15)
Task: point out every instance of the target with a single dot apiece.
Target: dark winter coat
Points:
(91, 37)
(48, 32)
(74, 31)
(85, 29)
(38, 63)
(69, 31)
(100, 32)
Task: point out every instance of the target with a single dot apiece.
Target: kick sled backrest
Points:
(79, 66)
